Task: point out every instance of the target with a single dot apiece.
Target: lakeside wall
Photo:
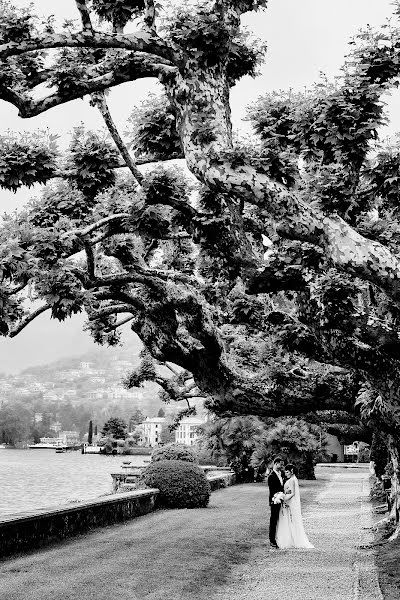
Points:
(38, 529)
(34, 530)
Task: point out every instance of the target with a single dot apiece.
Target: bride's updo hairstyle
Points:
(291, 468)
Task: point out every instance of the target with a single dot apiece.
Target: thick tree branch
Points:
(150, 14)
(90, 260)
(343, 246)
(85, 16)
(170, 367)
(142, 275)
(13, 97)
(288, 266)
(100, 101)
(135, 68)
(29, 319)
(152, 245)
(167, 275)
(110, 310)
(97, 225)
(39, 77)
(180, 235)
(141, 41)
(121, 164)
(119, 324)
(16, 289)
(197, 394)
(181, 205)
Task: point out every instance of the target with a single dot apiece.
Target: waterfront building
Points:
(186, 432)
(69, 438)
(51, 441)
(152, 428)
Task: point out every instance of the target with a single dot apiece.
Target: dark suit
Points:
(275, 486)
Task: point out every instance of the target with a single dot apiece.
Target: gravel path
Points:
(339, 568)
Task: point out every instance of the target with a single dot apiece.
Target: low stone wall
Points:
(217, 480)
(37, 529)
(33, 530)
(221, 480)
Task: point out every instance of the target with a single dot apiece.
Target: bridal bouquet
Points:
(278, 498)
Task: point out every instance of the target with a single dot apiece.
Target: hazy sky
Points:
(305, 37)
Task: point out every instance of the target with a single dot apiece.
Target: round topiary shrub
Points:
(182, 484)
(174, 451)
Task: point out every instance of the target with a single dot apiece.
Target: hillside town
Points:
(53, 404)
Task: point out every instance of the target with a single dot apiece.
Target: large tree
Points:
(276, 256)
(115, 428)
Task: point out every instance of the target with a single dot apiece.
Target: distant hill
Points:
(74, 389)
(101, 357)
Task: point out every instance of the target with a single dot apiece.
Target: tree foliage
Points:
(115, 428)
(273, 274)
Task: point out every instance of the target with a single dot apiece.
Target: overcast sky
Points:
(305, 38)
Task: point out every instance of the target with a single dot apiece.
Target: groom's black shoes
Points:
(274, 546)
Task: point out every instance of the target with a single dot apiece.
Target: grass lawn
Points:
(388, 563)
(166, 555)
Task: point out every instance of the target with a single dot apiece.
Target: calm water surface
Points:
(31, 479)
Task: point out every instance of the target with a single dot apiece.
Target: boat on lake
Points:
(46, 446)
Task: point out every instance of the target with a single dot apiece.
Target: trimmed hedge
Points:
(182, 484)
(174, 451)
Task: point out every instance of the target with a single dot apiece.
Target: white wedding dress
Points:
(290, 530)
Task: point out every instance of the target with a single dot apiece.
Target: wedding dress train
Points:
(290, 530)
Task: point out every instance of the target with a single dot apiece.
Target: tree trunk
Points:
(394, 452)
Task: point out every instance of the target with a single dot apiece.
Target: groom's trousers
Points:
(273, 522)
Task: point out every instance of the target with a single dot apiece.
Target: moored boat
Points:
(45, 446)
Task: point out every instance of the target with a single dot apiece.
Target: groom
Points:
(275, 484)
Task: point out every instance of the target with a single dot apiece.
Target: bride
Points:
(290, 530)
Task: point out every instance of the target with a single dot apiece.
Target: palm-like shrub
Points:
(232, 440)
(174, 451)
(182, 484)
(292, 438)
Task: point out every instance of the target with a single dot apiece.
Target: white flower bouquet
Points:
(278, 498)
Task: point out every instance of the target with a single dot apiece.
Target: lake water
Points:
(31, 479)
